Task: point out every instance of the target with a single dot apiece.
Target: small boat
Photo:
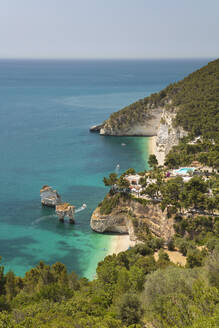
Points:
(123, 144)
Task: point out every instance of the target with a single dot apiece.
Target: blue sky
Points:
(109, 28)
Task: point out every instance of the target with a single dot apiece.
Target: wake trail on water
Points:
(117, 169)
(45, 217)
(81, 208)
(42, 218)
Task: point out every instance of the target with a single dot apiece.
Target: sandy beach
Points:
(152, 145)
(152, 149)
(120, 243)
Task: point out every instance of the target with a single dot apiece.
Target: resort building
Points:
(133, 179)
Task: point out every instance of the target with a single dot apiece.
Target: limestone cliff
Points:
(124, 217)
(146, 127)
(189, 106)
(157, 122)
(167, 134)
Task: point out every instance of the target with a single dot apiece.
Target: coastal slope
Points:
(132, 217)
(185, 114)
(188, 106)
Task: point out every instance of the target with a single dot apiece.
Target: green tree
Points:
(194, 192)
(163, 259)
(111, 180)
(122, 183)
(212, 268)
(152, 190)
(10, 285)
(152, 161)
(130, 171)
(194, 258)
(129, 309)
(2, 279)
(137, 278)
(171, 244)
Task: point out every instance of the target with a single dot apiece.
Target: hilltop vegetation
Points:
(196, 98)
(205, 152)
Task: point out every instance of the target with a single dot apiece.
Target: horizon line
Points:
(107, 58)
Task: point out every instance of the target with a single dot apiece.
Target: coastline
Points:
(152, 145)
(152, 149)
(119, 243)
(114, 244)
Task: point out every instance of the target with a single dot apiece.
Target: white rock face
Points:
(158, 122)
(167, 135)
(49, 197)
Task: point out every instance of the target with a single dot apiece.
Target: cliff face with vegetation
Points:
(167, 134)
(131, 216)
(187, 107)
(146, 125)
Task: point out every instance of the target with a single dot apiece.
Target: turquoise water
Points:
(185, 169)
(46, 109)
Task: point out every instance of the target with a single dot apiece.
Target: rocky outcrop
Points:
(147, 127)
(65, 209)
(122, 217)
(183, 105)
(158, 122)
(49, 197)
(96, 128)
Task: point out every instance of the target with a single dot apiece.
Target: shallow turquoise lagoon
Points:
(46, 109)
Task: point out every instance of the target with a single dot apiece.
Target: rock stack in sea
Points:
(65, 209)
(49, 197)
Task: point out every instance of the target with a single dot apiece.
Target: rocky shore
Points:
(51, 198)
(158, 124)
(65, 209)
(163, 136)
(96, 128)
(128, 214)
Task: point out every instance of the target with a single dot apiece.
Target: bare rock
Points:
(96, 128)
(148, 127)
(49, 197)
(119, 219)
(65, 209)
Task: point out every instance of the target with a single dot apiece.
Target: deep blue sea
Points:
(46, 109)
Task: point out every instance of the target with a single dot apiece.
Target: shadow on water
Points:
(16, 248)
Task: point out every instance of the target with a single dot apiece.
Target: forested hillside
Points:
(131, 290)
(196, 97)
